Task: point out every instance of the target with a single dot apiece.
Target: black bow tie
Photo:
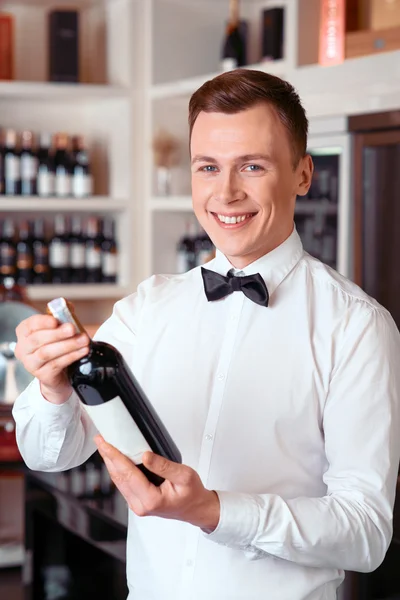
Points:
(218, 286)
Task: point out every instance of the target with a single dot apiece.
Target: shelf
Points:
(31, 90)
(36, 204)
(171, 203)
(93, 291)
(190, 85)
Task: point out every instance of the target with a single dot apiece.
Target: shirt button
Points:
(221, 376)
(209, 437)
(189, 563)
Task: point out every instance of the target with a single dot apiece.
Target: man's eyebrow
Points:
(244, 158)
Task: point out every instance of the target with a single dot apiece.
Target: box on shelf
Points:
(360, 43)
(6, 46)
(64, 46)
(383, 14)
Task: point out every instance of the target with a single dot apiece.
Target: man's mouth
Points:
(233, 219)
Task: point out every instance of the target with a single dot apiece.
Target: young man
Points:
(276, 377)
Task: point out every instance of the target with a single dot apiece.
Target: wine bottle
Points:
(63, 166)
(77, 252)
(93, 251)
(81, 176)
(45, 174)
(185, 251)
(114, 400)
(12, 165)
(41, 269)
(28, 165)
(59, 252)
(24, 254)
(234, 48)
(109, 252)
(8, 251)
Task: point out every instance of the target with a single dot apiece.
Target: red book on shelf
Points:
(6, 46)
(332, 32)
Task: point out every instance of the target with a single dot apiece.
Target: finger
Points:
(49, 337)
(35, 323)
(121, 468)
(174, 472)
(54, 367)
(50, 352)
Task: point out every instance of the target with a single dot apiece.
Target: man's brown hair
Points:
(242, 89)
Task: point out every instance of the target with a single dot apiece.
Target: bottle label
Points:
(117, 427)
(81, 185)
(28, 167)
(181, 262)
(77, 256)
(11, 167)
(45, 182)
(109, 264)
(203, 257)
(63, 182)
(93, 258)
(58, 255)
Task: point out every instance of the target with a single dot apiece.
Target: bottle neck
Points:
(234, 13)
(61, 309)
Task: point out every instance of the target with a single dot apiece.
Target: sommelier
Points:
(276, 377)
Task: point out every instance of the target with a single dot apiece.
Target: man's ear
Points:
(305, 170)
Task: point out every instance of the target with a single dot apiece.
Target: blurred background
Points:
(95, 197)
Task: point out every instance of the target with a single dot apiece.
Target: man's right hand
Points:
(46, 348)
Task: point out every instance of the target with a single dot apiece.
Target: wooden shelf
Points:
(99, 291)
(37, 204)
(31, 90)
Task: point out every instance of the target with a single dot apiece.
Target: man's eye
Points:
(208, 168)
(253, 168)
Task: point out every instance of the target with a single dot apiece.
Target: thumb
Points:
(174, 472)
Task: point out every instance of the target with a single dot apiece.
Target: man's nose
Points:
(229, 189)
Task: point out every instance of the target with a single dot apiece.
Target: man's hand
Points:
(181, 496)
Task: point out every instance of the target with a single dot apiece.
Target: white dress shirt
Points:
(290, 412)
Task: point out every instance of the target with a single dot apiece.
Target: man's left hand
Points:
(181, 496)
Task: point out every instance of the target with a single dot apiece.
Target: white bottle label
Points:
(45, 182)
(109, 264)
(93, 258)
(58, 255)
(117, 427)
(81, 185)
(28, 167)
(63, 182)
(181, 262)
(12, 167)
(77, 256)
(228, 64)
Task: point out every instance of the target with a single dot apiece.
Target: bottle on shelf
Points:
(234, 46)
(59, 251)
(8, 251)
(24, 254)
(81, 175)
(12, 164)
(93, 250)
(109, 252)
(114, 400)
(77, 252)
(1, 163)
(28, 160)
(63, 166)
(185, 251)
(41, 268)
(46, 170)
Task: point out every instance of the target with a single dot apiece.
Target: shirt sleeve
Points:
(55, 437)
(350, 528)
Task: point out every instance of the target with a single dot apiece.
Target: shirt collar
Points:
(273, 266)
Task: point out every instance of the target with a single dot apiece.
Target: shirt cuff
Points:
(239, 520)
(48, 411)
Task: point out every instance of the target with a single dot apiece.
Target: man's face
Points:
(244, 186)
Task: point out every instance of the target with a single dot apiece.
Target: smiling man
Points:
(277, 378)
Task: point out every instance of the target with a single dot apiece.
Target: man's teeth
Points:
(233, 220)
